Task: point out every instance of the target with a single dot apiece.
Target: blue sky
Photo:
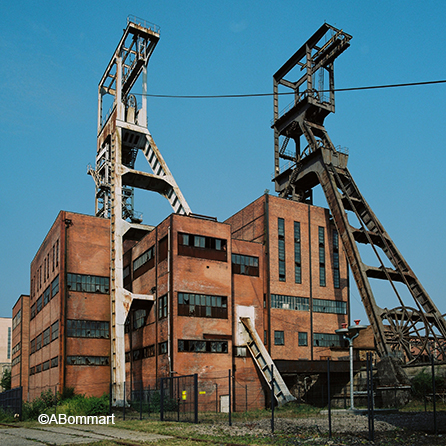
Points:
(221, 150)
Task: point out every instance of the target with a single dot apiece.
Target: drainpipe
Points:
(268, 275)
(311, 283)
(169, 299)
(63, 318)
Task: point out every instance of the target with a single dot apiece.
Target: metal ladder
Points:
(264, 362)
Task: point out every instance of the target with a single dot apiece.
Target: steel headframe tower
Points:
(411, 332)
(122, 133)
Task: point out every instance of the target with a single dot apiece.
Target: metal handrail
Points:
(144, 23)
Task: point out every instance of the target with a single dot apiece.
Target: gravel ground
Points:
(412, 429)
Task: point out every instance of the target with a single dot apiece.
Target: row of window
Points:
(88, 284)
(50, 291)
(202, 346)
(44, 338)
(201, 305)
(203, 247)
(43, 271)
(196, 346)
(245, 265)
(298, 254)
(88, 360)
(319, 339)
(88, 329)
(54, 362)
(303, 304)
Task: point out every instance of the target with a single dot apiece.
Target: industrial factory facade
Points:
(278, 263)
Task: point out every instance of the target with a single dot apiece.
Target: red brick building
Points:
(278, 262)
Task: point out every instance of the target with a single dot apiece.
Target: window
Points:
(302, 339)
(39, 305)
(9, 343)
(265, 337)
(297, 254)
(46, 296)
(46, 336)
(281, 242)
(33, 346)
(202, 305)
(329, 306)
(279, 337)
(137, 354)
(88, 360)
(139, 318)
(290, 302)
(38, 342)
(17, 319)
(149, 351)
(162, 307)
(38, 368)
(162, 348)
(46, 365)
(33, 311)
(143, 263)
(55, 362)
(16, 360)
(87, 329)
(327, 340)
(202, 346)
(162, 249)
(16, 348)
(202, 247)
(336, 274)
(245, 265)
(88, 284)
(57, 253)
(55, 330)
(322, 281)
(54, 287)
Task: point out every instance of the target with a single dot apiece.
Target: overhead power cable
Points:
(251, 95)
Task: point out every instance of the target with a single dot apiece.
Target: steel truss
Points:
(122, 134)
(414, 332)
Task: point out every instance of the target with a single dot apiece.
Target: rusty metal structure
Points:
(413, 332)
(122, 134)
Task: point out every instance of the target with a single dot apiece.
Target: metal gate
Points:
(179, 398)
(11, 401)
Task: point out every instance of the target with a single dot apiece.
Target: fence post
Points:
(110, 400)
(196, 398)
(162, 400)
(370, 414)
(230, 399)
(433, 394)
(148, 401)
(123, 404)
(216, 397)
(140, 400)
(272, 398)
(329, 398)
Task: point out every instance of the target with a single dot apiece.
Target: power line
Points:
(251, 95)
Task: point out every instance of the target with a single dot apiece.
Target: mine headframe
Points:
(414, 332)
(122, 135)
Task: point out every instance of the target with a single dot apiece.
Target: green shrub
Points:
(422, 384)
(75, 405)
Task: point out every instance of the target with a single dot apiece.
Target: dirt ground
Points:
(409, 429)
